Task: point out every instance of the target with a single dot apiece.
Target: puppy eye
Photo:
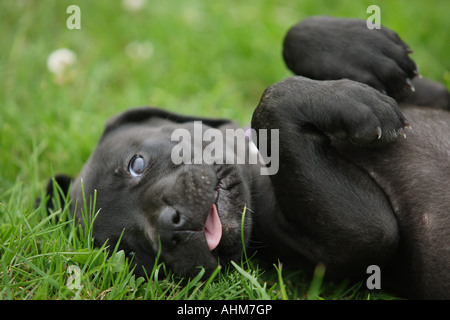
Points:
(136, 166)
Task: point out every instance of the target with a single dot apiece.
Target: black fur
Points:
(350, 191)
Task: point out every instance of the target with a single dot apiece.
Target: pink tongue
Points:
(213, 228)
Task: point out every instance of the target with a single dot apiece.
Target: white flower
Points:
(59, 60)
(133, 5)
(139, 50)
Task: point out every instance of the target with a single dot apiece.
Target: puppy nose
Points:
(169, 218)
(171, 226)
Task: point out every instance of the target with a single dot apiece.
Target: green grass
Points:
(211, 58)
(42, 256)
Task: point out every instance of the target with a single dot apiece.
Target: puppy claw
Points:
(402, 132)
(417, 74)
(407, 125)
(379, 133)
(410, 85)
(409, 51)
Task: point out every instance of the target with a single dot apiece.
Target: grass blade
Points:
(260, 290)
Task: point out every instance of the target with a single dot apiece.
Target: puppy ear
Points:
(56, 192)
(139, 115)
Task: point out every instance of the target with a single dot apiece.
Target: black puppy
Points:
(348, 191)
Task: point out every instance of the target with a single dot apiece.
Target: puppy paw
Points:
(343, 109)
(325, 48)
(364, 115)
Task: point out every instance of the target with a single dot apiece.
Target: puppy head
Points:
(189, 213)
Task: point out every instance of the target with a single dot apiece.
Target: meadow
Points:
(209, 58)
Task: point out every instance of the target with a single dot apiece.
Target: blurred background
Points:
(210, 58)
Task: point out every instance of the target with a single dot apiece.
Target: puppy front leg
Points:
(331, 210)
